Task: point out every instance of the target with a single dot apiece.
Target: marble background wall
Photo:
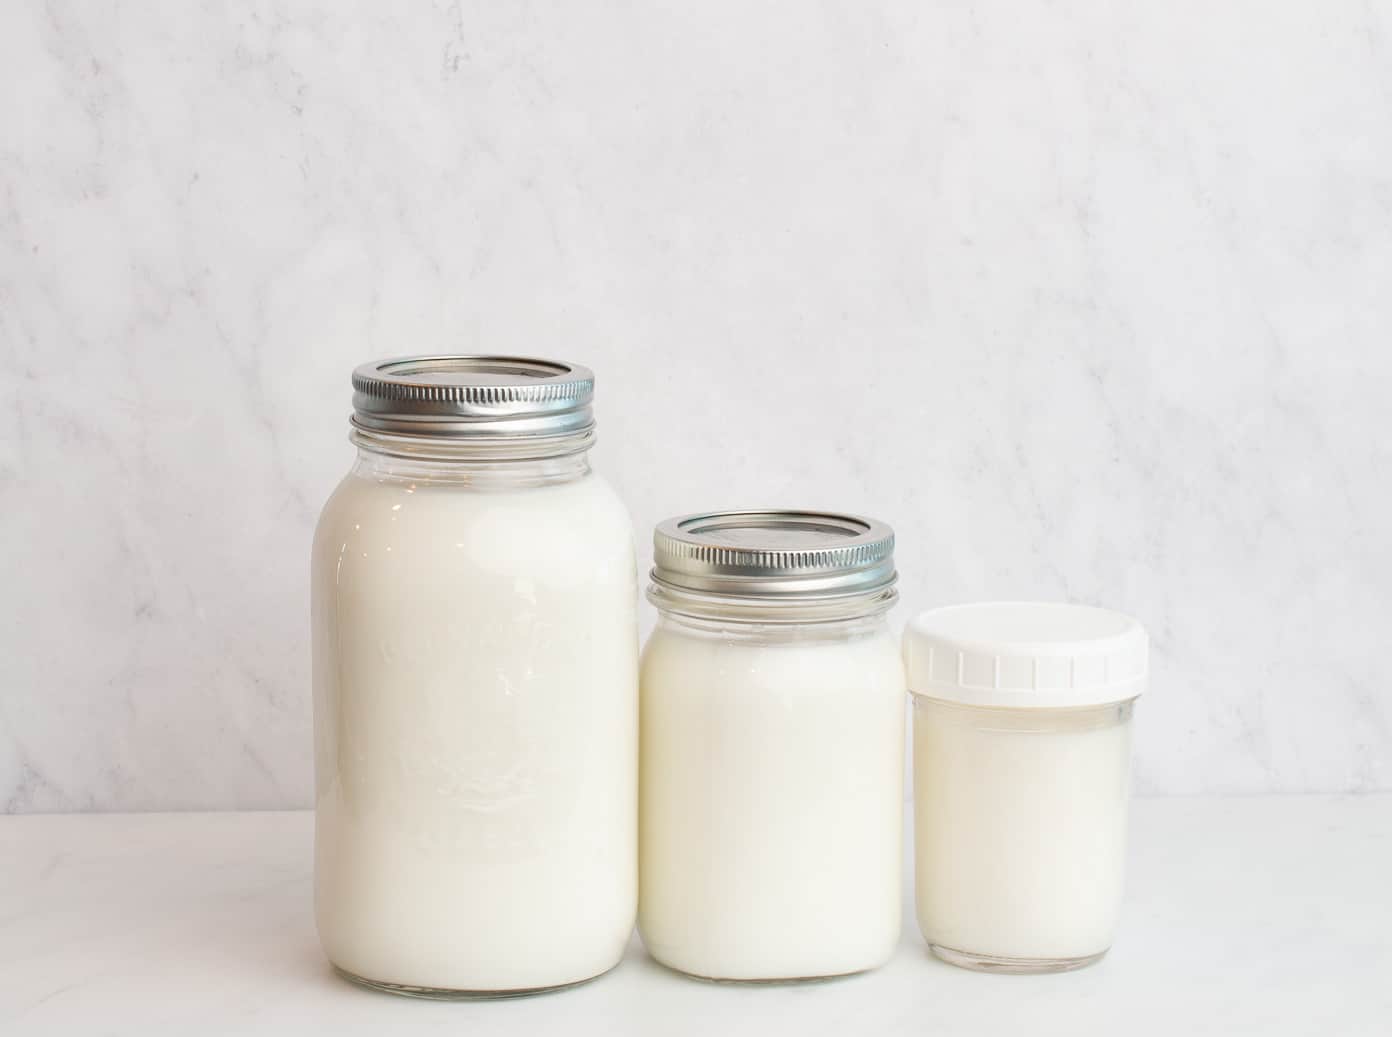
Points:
(1090, 301)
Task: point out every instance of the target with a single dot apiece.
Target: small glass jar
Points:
(772, 748)
(1022, 736)
(475, 686)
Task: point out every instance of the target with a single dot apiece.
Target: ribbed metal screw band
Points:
(833, 558)
(545, 392)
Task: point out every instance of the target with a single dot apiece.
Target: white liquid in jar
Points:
(476, 732)
(772, 804)
(1020, 818)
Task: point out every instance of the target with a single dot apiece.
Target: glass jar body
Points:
(1020, 832)
(475, 687)
(772, 797)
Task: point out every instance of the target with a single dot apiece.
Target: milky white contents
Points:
(772, 802)
(1020, 819)
(476, 732)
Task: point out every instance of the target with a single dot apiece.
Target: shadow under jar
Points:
(475, 686)
(772, 748)
(1022, 749)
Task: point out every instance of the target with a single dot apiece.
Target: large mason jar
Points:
(773, 742)
(475, 686)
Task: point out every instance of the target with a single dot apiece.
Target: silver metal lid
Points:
(472, 396)
(774, 554)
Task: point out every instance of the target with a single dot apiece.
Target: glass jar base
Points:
(773, 982)
(1012, 966)
(446, 994)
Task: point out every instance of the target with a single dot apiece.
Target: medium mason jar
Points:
(772, 747)
(475, 686)
(1022, 752)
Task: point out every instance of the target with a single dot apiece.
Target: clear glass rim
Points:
(471, 449)
(781, 610)
(1126, 704)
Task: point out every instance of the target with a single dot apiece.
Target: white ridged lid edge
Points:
(1026, 655)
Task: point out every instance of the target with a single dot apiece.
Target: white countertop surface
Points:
(1260, 915)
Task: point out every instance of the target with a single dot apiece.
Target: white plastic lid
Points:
(1025, 654)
